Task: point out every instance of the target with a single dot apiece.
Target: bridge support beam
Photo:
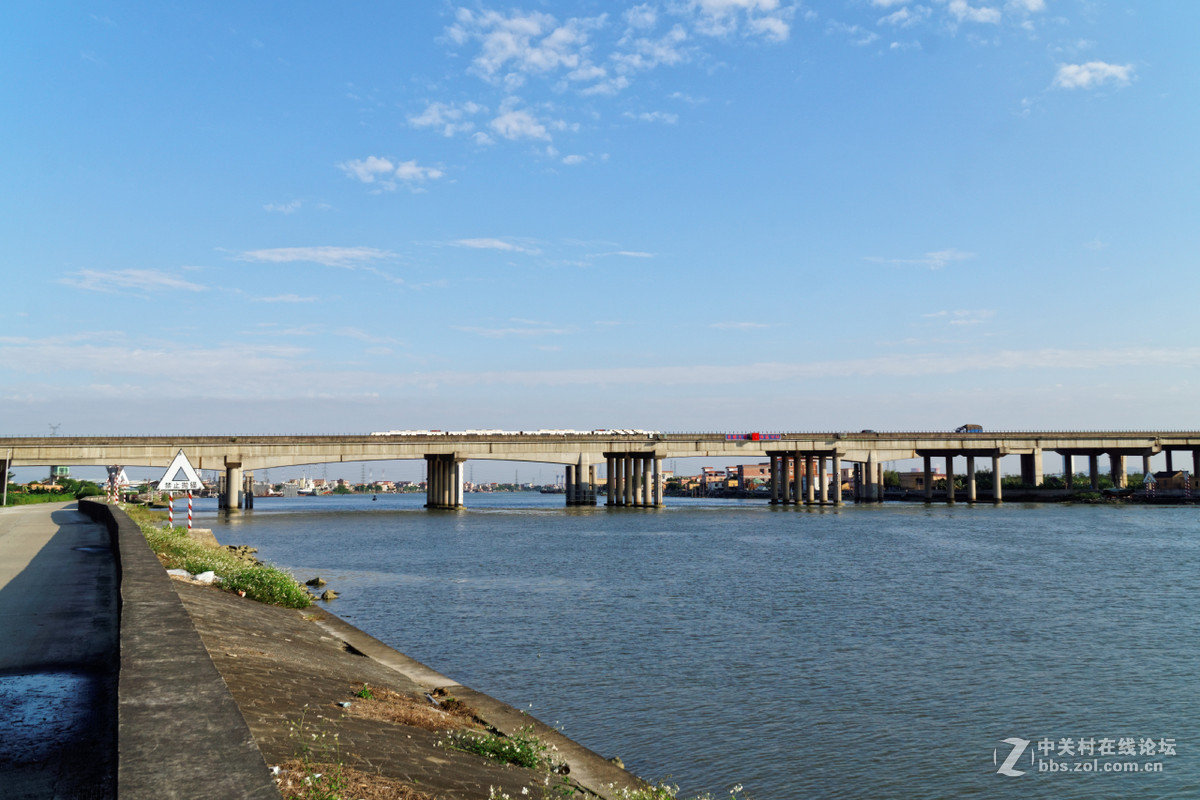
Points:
(837, 479)
(444, 481)
(928, 479)
(950, 479)
(823, 477)
(634, 480)
(997, 483)
(1068, 470)
(971, 479)
(1116, 466)
(234, 495)
(1094, 471)
(1031, 469)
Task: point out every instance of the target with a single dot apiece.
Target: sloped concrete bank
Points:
(215, 688)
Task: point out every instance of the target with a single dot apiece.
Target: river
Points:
(875, 651)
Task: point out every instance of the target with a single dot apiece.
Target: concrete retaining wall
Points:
(179, 731)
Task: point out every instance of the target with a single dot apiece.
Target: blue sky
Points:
(707, 215)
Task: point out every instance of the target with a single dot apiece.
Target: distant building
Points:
(915, 480)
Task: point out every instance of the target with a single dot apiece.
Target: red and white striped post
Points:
(170, 510)
(189, 510)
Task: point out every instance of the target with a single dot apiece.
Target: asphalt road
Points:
(58, 654)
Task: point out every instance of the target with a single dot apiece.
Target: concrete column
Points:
(785, 479)
(950, 479)
(837, 479)
(1170, 466)
(810, 495)
(879, 480)
(233, 486)
(569, 483)
(1145, 466)
(869, 472)
(248, 489)
(1068, 470)
(1195, 464)
(1031, 468)
(824, 479)
(997, 484)
(658, 482)
(1116, 464)
(458, 483)
(648, 481)
(928, 479)
(628, 482)
(636, 482)
(591, 484)
(610, 484)
(970, 479)
(581, 486)
(774, 480)
(1094, 471)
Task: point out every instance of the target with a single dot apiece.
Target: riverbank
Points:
(191, 654)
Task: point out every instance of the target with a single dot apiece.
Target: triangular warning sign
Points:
(180, 476)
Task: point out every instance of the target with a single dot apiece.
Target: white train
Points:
(539, 432)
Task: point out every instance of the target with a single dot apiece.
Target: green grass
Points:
(260, 582)
(523, 748)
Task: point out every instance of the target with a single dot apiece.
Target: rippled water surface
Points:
(870, 652)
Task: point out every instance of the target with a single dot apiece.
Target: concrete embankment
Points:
(214, 688)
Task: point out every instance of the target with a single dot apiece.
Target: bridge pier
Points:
(234, 494)
(634, 480)
(581, 490)
(997, 483)
(443, 481)
(1094, 471)
(1068, 470)
(949, 479)
(1116, 468)
(971, 479)
(1031, 469)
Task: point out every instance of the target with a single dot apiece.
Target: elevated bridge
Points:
(800, 462)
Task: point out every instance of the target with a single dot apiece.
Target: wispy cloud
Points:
(742, 326)
(496, 244)
(664, 117)
(962, 317)
(128, 281)
(934, 260)
(448, 118)
(283, 208)
(1093, 74)
(387, 174)
(530, 329)
(286, 298)
(345, 257)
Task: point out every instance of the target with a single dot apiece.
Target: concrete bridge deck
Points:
(633, 458)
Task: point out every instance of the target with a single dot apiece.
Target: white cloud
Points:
(1092, 74)
(367, 169)
(287, 298)
(345, 257)
(1028, 6)
(383, 170)
(496, 244)
(283, 208)
(857, 34)
(654, 116)
(518, 44)
(500, 333)
(128, 280)
(451, 119)
(643, 17)
(574, 160)
(907, 16)
(766, 18)
(934, 260)
(517, 123)
(738, 325)
(962, 317)
(964, 12)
